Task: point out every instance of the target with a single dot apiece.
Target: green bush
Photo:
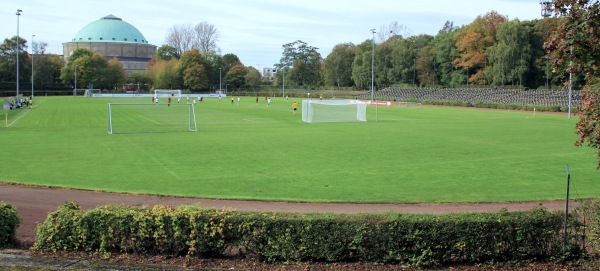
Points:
(61, 230)
(9, 222)
(417, 240)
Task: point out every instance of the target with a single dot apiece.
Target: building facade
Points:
(269, 73)
(112, 37)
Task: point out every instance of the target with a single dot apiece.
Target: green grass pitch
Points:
(249, 151)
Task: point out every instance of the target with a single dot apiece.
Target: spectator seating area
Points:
(479, 95)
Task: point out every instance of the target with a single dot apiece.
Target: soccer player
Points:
(188, 98)
(238, 100)
(169, 101)
(194, 101)
(294, 108)
(269, 102)
(232, 100)
(156, 100)
(179, 99)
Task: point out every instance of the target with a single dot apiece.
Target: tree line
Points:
(490, 51)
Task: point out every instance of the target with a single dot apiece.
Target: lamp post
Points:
(32, 53)
(372, 64)
(17, 51)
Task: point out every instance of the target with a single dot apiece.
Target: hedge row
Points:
(421, 240)
(9, 222)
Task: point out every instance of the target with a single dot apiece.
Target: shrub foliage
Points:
(419, 240)
(9, 222)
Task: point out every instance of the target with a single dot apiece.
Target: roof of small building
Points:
(110, 29)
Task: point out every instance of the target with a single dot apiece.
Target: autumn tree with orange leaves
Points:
(472, 42)
(574, 47)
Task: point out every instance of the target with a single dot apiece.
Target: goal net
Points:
(90, 92)
(167, 92)
(126, 118)
(333, 111)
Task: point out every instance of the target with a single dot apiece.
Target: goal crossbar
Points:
(167, 92)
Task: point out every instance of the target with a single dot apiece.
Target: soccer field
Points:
(251, 151)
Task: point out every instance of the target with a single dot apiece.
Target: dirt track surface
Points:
(34, 203)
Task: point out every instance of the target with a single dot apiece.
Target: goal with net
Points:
(126, 118)
(90, 92)
(333, 111)
(167, 92)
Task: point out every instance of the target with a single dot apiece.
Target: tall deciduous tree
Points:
(181, 37)
(574, 47)
(206, 37)
(8, 60)
(184, 37)
(472, 42)
(236, 76)
(425, 67)
(230, 60)
(305, 62)
(165, 74)
(90, 68)
(115, 75)
(47, 66)
(444, 52)
(192, 70)
(361, 66)
(337, 67)
(253, 77)
(509, 58)
(166, 52)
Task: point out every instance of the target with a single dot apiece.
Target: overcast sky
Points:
(254, 30)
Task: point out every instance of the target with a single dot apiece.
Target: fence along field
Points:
(251, 151)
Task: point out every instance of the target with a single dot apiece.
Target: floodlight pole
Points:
(220, 85)
(372, 64)
(17, 51)
(283, 80)
(32, 53)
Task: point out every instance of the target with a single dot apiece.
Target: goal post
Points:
(333, 111)
(167, 93)
(127, 118)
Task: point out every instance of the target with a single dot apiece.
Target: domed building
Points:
(112, 37)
